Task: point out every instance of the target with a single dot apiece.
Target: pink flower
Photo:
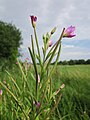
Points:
(69, 32)
(0, 92)
(50, 43)
(27, 59)
(38, 104)
(33, 20)
(16, 63)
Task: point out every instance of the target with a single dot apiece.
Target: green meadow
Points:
(75, 100)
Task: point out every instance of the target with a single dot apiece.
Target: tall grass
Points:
(75, 101)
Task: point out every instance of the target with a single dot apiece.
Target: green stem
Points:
(50, 74)
(33, 51)
(35, 68)
(45, 49)
(55, 106)
(37, 45)
(55, 62)
(53, 53)
(49, 53)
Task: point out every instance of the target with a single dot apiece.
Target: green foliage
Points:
(33, 95)
(75, 101)
(10, 40)
(39, 97)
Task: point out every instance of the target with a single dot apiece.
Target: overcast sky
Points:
(51, 13)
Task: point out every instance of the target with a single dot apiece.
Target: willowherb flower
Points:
(69, 32)
(37, 104)
(0, 92)
(50, 43)
(33, 20)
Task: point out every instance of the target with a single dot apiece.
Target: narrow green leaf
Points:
(55, 106)
(35, 68)
(14, 97)
(23, 74)
(12, 79)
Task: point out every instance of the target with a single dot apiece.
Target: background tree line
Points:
(74, 62)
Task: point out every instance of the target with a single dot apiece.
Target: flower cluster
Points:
(69, 32)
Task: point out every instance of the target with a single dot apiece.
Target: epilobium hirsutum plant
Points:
(44, 93)
(36, 99)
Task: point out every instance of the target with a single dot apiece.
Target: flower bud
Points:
(33, 20)
(38, 78)
(62, 86)
(37, 104)
(53, 30)
(50, 43)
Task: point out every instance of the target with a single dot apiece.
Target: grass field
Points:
(76, 95)
(75, 101)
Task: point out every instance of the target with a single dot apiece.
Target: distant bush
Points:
(10, 40)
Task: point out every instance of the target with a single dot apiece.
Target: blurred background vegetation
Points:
(10, 41)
